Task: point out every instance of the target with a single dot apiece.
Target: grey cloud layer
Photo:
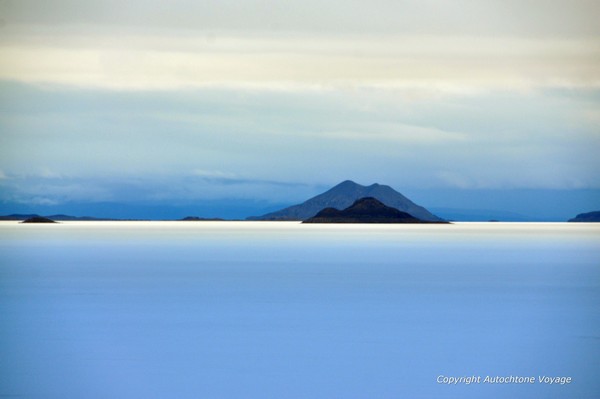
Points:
(147, 62)
(461, 44)
(241, 94)
(470, 17)
(493, 140)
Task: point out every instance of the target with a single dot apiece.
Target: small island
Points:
(365, 210)
(590, 217)
(199, 219)
(38, 219)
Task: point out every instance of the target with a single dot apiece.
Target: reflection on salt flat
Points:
(281, 309)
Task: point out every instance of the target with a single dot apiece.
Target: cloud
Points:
(453, 179)
(35, 200)
(395, 133)
(225, 140)
(466, 17)
(168, 189)
(301, 61)
(47, 173)
(146, 45)
(213, 174)
(138, 100)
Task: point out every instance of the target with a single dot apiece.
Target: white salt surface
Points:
(285, 310)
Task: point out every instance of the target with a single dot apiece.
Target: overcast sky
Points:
(112, 100)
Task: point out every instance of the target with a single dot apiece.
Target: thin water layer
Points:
(277, 309)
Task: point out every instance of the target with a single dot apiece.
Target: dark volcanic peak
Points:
(590, 217)
(364, 210)
(61, 217)
(38, 219)
(343, 195)
(199, 219)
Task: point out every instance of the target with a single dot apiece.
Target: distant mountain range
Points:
(199, 219)
(17, 216)
(62, 218)
(590, 217)
(461, 207)
(364, 210)
(343, 195)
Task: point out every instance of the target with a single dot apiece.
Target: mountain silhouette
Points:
(345, 194)
(364, 210)
(590, 217)
(38, 219)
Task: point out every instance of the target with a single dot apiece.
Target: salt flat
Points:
(281, 309)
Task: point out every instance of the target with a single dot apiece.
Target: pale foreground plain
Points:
(285, 310)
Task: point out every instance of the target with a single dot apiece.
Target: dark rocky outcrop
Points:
(589, 217)
(343, 195)
(199, 219)
(17, 216)
(365, 210)
(38, 219)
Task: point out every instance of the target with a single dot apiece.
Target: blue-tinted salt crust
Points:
(284, 310)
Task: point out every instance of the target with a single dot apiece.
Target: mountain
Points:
(199, 219)
(16, 216)
(364, 210)
(343, 195)
(590, 217)
(38, 219)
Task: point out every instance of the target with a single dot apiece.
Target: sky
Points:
(269, 102)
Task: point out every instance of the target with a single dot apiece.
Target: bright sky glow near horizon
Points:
(113, 101)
